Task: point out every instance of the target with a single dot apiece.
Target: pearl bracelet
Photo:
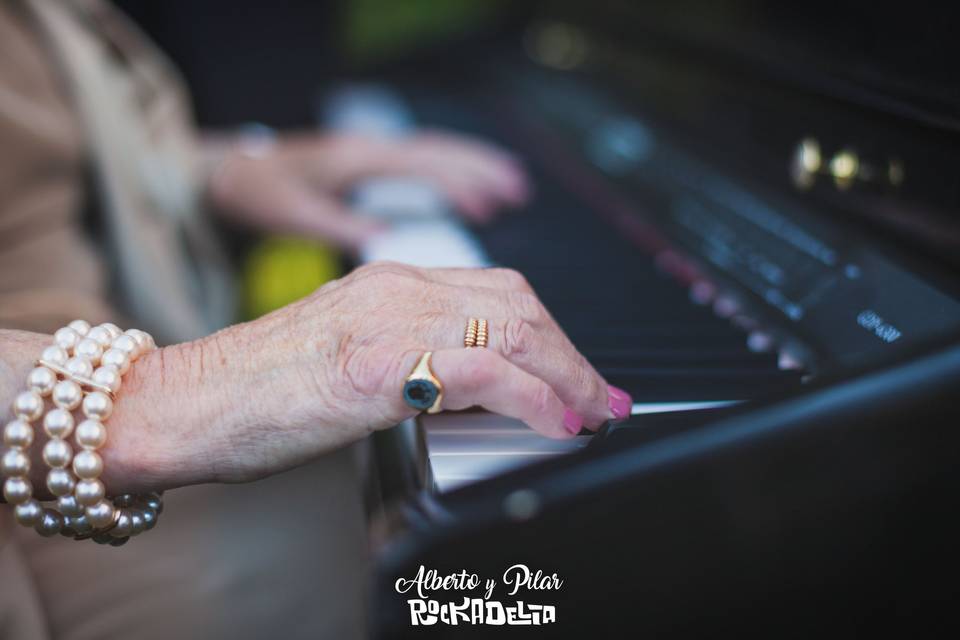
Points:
(82, 369)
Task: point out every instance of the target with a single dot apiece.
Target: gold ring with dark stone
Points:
(422, 390)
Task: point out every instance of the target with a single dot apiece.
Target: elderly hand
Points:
(264, 396)
(298, 184)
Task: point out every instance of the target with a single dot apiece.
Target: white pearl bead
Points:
(66, 338)
(89, 349)
(89, 492)
(128, 344)
(60, 482)
(57, 453)
(87, 464)
(101, 335)
(108, 376)
(67, 395)
(55, 355)
(28, 405)
(91, 434)
(17, 490)
(58, 423)
(28, 513)
(79, 366)
(14, 463)
(68, 506)
(137, 335)
(18, 433)
(41, 380)
(97, 405)
(80, 326)
(119, 359)
(142, 337)
(113, 329)
(100, 514)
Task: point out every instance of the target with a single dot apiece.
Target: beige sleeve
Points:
(49, 272)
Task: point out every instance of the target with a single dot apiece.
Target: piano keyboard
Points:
(667, 347)
(468, 447)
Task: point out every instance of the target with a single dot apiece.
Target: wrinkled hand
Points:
(329, 369)
(297, 186)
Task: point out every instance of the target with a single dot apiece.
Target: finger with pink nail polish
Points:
(572, 421)
(619, 402)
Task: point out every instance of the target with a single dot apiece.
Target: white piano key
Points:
(366, 108)
(464, 448)
(468, 447)
(430, 243)
(393, 199)
(640, 408)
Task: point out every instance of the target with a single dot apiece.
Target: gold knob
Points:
(844, 167)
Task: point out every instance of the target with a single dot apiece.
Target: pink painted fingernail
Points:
(572, 421)
(619, 402)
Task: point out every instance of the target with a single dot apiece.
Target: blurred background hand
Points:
(300, 183)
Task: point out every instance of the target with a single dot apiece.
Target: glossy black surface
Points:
(821, 507)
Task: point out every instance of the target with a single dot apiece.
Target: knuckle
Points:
(361, 366)
(518, 337)
(513, 280)
(528, 306)
(385, 268)
(541, 398)
(373, 267)
(388, 280)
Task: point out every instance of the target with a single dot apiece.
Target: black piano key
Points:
(647, 427)
(635, 324)
(667, 384)
(664, 334)
(746, 361)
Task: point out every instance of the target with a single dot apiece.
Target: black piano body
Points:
(725, 212)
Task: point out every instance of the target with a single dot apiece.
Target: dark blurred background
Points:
(894, 69)
(253, 60)
(258, 60)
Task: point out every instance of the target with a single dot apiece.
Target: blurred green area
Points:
(281, 270)
(375, 29)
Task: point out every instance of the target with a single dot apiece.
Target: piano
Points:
(756, 234)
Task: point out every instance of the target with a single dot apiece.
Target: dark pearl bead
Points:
(81, 525)
(68, 531)
(103, 538)
(149, 519)
(154, 501)
(137, 524)
(50, 523)
(124, 526)
(118, 542)
(125, 500)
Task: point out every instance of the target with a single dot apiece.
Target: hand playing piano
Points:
(329, 369)
(298, 184)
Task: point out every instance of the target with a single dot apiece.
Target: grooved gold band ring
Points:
(476, 333)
